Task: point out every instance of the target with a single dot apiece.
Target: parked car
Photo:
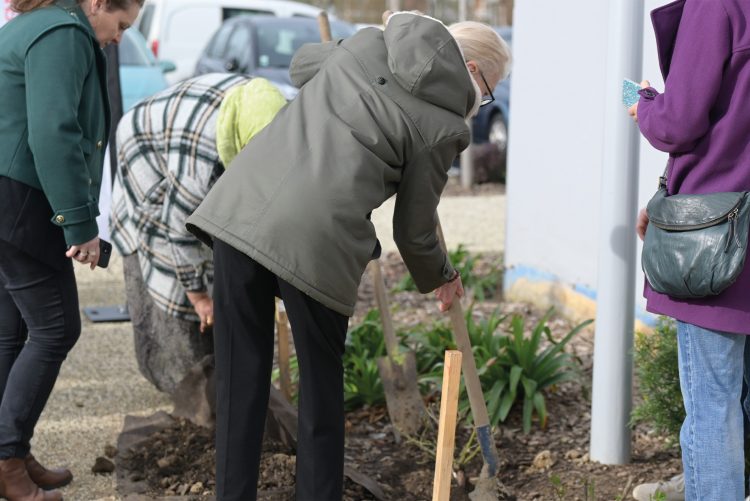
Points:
(178, 30)
(490, 126)
(141, 75)
(263, 46)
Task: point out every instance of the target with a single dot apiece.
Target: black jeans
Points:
(39, 324)
(244, 295)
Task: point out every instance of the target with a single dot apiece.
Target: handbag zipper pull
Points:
(732, 218)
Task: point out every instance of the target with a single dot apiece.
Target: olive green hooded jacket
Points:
(378, 114)
(54, 118)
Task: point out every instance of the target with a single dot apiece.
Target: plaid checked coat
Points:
(167, 162)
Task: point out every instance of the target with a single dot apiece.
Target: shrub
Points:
(659, 380)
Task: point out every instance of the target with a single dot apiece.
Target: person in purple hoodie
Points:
(702, 119)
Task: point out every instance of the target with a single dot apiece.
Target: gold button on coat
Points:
(99, 145)
(60, 219)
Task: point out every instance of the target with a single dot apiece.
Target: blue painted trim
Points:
(517, 272)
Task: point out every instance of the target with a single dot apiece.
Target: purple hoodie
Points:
(703, 121)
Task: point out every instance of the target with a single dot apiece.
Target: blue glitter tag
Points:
(630, 94)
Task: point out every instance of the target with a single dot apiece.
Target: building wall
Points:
(556, 152)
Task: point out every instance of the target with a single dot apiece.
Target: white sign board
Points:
(7, 14)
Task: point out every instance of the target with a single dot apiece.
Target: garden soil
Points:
(545, 464)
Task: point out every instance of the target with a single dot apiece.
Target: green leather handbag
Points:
(695, 245)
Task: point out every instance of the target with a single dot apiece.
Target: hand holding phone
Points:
(630, 94)
(103, 255)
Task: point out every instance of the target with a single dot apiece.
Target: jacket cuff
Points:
(447, 273)
(194, 284)
(76, 215)
(76, 234)
(78, 224)
(648, 93)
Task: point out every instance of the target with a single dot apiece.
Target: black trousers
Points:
(39, 324)
(244, 295)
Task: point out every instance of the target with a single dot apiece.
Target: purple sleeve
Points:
(674, 120)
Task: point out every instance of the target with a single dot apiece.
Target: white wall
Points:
(556, 141)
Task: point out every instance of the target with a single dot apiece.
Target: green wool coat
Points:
(378, 114)
(55, 114)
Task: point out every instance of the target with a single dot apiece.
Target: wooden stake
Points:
(325, 27)
(285, 379)
(441, 488)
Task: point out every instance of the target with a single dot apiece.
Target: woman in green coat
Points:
(381, 113)
(53, 128)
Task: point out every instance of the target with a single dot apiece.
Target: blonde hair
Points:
(482, 44)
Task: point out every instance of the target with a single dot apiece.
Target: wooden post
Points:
(441, 488)
(325, 27)
(285, 379)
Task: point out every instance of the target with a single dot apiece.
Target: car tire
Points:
(498, 133)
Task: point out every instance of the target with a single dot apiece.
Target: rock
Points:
(196, 488)
(103, 466)
(166, 347)
(573, 454)
(544, 460)
(165, 462)
(195, 396)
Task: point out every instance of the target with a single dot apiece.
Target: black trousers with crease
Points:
(244, 294)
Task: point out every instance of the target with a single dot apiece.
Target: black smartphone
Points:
(105, 251)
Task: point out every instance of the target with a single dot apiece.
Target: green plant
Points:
(364, 345)
(511, 366)
(533, 369)
(659, 380)
(558, 487)
(429, 344)
(659, 496)
(481, 286)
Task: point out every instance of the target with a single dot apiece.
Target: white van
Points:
(178, 30)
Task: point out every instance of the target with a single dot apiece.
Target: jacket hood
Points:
(426, 60)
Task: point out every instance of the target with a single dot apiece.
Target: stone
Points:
(166, 347)
(544, 460)
(103, 466)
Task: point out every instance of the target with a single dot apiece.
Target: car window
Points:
(147, 17)
(218, 43)
(238, 46)
(277, 42)
(229, 13)
(132, 50)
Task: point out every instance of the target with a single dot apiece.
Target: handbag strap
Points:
(663, 178)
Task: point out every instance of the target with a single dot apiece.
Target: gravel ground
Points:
(99, 383)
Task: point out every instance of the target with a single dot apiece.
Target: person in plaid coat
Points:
(168, 159)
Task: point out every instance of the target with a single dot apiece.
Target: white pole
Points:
(467, 162)
(613, 358)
